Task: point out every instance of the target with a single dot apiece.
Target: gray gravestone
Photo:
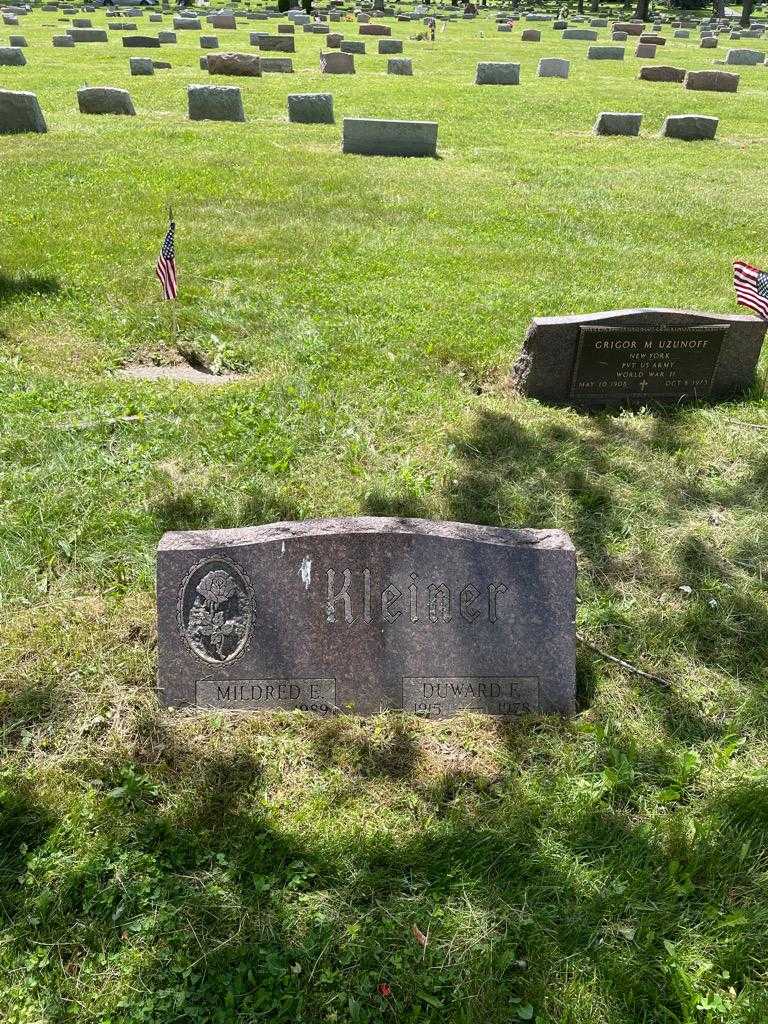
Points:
(142, 42)
(553, 67)
(497, 73)
(663, 73)
(378, 137)
(141, 66)
(215, 102)
(242, 65)
(690, 127)
(611, 123)
(337, 63)
(399, 66)
(636, 356)
(390, 46)
(88, 35)
(605, 53)
(281, 44)
(104, 100)
(276, 66)
(20, 112)
(352, 46)
(310, 108)
(226, 21)
(12, 56)
(586, 34)
(750, 58)
(361, 615)
(711, 81)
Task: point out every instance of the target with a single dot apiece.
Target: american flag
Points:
(751, 287)
(165, 268)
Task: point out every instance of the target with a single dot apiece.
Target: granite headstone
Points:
(360, 615)
(638, 356)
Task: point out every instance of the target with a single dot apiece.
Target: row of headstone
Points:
(686, 127)
(20, 112)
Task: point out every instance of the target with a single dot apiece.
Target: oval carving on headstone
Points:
(215, 610)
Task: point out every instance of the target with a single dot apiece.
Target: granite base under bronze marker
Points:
(633, 357)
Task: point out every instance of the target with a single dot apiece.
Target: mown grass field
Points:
(164, 867)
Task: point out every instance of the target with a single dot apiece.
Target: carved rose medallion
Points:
(215, 610)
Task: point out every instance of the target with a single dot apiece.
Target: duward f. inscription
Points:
(362, 615)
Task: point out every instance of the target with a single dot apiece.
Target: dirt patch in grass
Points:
(179, 373)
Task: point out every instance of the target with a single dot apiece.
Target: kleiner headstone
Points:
(638, 357)
(361, 615)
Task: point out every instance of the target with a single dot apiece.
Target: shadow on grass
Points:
(12, 288)
(227, 885)
(399, 506)
(190, 510)
(395, 755)
(24, 826)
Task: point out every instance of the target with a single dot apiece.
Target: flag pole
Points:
(174, 318)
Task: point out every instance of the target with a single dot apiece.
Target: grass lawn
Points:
(164, 867)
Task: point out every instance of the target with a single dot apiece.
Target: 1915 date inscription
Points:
(637, 363)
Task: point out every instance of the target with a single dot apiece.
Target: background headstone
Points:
(379, 137)
(20, 112)
(637, 356)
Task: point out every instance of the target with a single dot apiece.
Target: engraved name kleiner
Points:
(355, 597)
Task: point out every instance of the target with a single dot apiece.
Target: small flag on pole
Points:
(751, 287)
(165, 268)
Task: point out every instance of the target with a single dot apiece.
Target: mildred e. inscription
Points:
(362, 615)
